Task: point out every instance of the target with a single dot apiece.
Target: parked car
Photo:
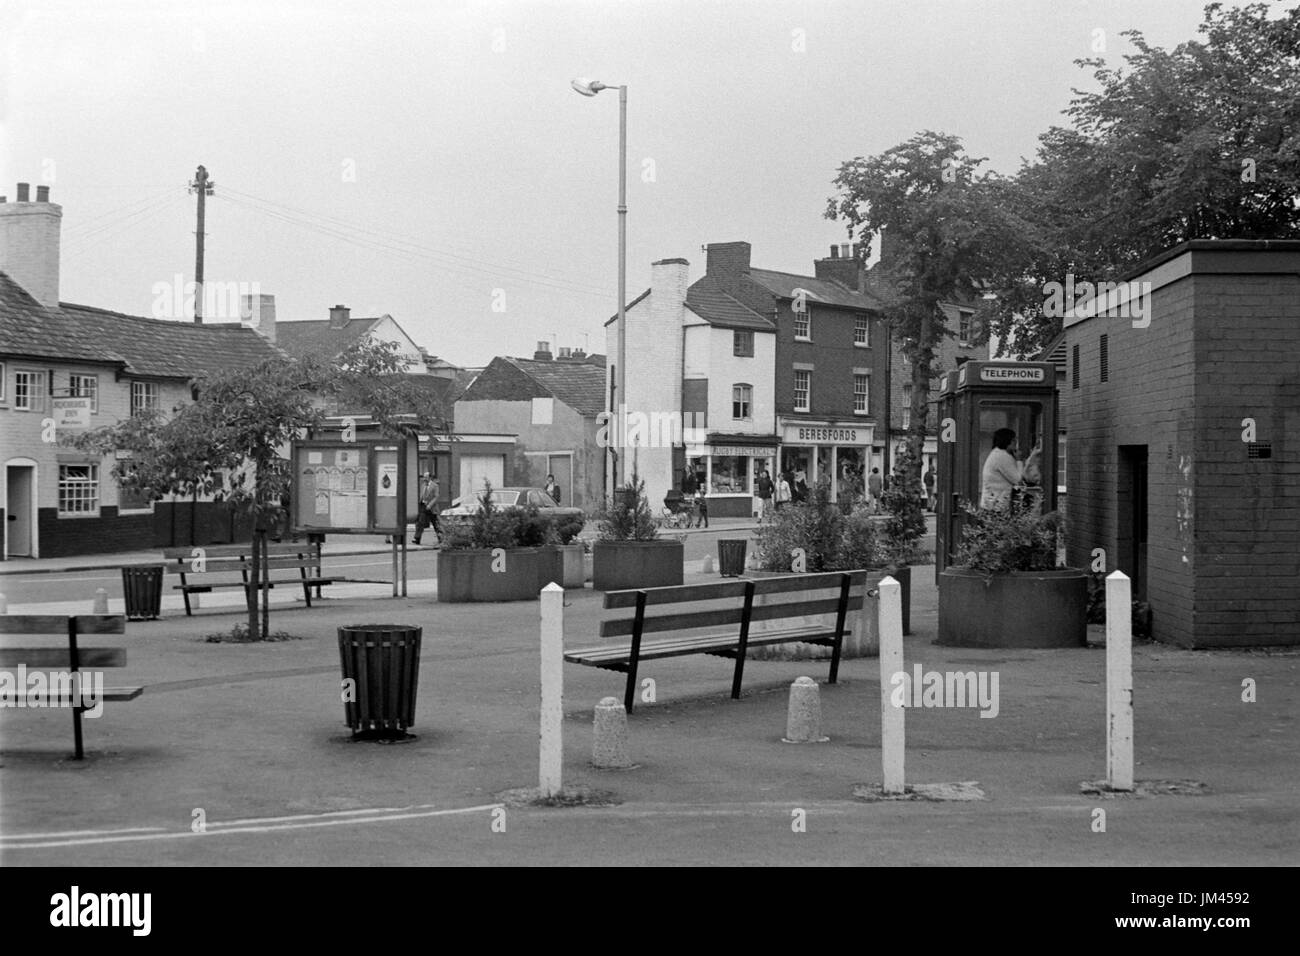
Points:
(463, 508)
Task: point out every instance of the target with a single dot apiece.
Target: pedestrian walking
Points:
(875, 484)
(701, 509)
(428, 508)
(929, 489)
(764, 489)
(799, 487)
(783, 490)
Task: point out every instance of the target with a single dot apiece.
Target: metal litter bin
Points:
(382, 664)
(731, 557)
(142, 591)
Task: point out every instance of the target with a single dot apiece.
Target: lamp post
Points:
(619, 397)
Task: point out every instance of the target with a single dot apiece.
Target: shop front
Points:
(837, 451)
(728, 472)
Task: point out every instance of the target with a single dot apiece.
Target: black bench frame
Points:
(303, 557)
(626, 657)
(73, 658)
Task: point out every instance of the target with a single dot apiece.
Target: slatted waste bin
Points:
(731, 557)
(142, 591)
(381, 669)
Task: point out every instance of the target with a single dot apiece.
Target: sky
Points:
(429, 160)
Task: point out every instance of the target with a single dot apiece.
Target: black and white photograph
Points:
(650, 433)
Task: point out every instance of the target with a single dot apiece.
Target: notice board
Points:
(358, 486)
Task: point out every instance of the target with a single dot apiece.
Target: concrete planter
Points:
(573, 566)
(468, 576)
(1020, 609)
(622, 565)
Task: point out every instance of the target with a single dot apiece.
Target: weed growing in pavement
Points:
(239, 635)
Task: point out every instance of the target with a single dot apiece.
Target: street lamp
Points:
(590, 88)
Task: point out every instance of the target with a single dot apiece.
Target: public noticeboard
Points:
(358, 487)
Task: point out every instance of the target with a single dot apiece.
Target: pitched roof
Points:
(614, 317)
(580, 385)
(784, 285)
(159, 348)
(315, 337)
(707, 300)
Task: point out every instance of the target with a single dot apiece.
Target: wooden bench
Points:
(729, 633)
(62, 662)
(305, 558)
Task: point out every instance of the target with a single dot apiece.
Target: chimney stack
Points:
(340, 315)
(543, 353)
(844, 266)
(726, 262)
(258, 313)
(29, 244)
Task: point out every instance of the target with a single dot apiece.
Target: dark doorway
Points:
(1131, 516)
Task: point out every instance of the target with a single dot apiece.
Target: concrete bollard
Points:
(708, 564)
(101, 602)
(803, 722)
(609, 743)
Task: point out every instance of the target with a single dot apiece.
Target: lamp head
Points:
(587, 87)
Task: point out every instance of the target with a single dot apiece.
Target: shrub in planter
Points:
(470, 568)
(1004, 588)
(628, 552)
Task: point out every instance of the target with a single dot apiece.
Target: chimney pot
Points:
(42, 193)
(844, 250)
(835, 252)
(339, 316)
(23, 192)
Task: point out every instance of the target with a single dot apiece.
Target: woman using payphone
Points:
(1004, 473)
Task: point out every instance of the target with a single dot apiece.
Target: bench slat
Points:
(692, 620)
(58, 624)
(650, 650)
(39, 658)
(109, 693)
(680, 594)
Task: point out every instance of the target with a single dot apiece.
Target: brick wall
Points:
(1223, 567)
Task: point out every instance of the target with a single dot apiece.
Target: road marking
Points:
(72, 833)
(240, 826)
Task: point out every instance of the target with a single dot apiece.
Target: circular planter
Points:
(469, 576)
(623, 565)
(1020, 609)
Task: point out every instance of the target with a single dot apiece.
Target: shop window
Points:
(144, 395)
(78, 489)
(742, 398)
(862, 332)
(730, 474)
(742, 343)
(29, 391)
(85, 386)
(861, 389)
(802, 391)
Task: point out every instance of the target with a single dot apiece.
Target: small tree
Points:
(904, 502)
(629, 517)
(228, 441)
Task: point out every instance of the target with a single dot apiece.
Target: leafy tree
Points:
(228, 442)
(948, 229)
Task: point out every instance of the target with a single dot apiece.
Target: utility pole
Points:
(203, 186)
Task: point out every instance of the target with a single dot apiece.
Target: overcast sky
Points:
(413, 158)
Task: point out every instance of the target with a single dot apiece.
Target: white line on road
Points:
(314, 822)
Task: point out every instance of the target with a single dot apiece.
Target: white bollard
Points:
(803, 718)
(552, 710)
(1119, 682)
(101, 602)
(609, 741)
(891, 662)
(708, 565)
(4, 604)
